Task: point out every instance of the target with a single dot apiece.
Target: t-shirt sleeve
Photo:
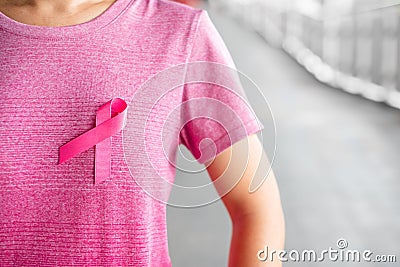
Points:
(215, 111)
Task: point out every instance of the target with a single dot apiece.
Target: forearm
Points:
(251, 233)
(257, 217)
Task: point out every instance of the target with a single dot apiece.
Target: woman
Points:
(62, 61)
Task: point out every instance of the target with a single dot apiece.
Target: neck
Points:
(53, 12)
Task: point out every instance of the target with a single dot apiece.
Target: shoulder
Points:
(169, 26)
(166, 12)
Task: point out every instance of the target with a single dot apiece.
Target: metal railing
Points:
(357, 50)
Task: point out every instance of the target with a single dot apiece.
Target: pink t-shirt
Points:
(52, 82)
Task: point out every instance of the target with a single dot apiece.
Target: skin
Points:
(257, 218)
(53, 12)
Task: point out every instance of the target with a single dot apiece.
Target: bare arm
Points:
(257, 217)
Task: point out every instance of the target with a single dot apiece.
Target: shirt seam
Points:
(72, 36)
(248, 132)
(192, 44)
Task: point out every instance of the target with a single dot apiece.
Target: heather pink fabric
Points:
(53, 80)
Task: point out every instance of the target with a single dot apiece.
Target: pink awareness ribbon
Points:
(110, 119)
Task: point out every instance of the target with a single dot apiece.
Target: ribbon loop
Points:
(110, 119)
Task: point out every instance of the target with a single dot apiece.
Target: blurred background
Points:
(330, 72)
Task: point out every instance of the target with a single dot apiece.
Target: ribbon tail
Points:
(103, 161)
(103, 149)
